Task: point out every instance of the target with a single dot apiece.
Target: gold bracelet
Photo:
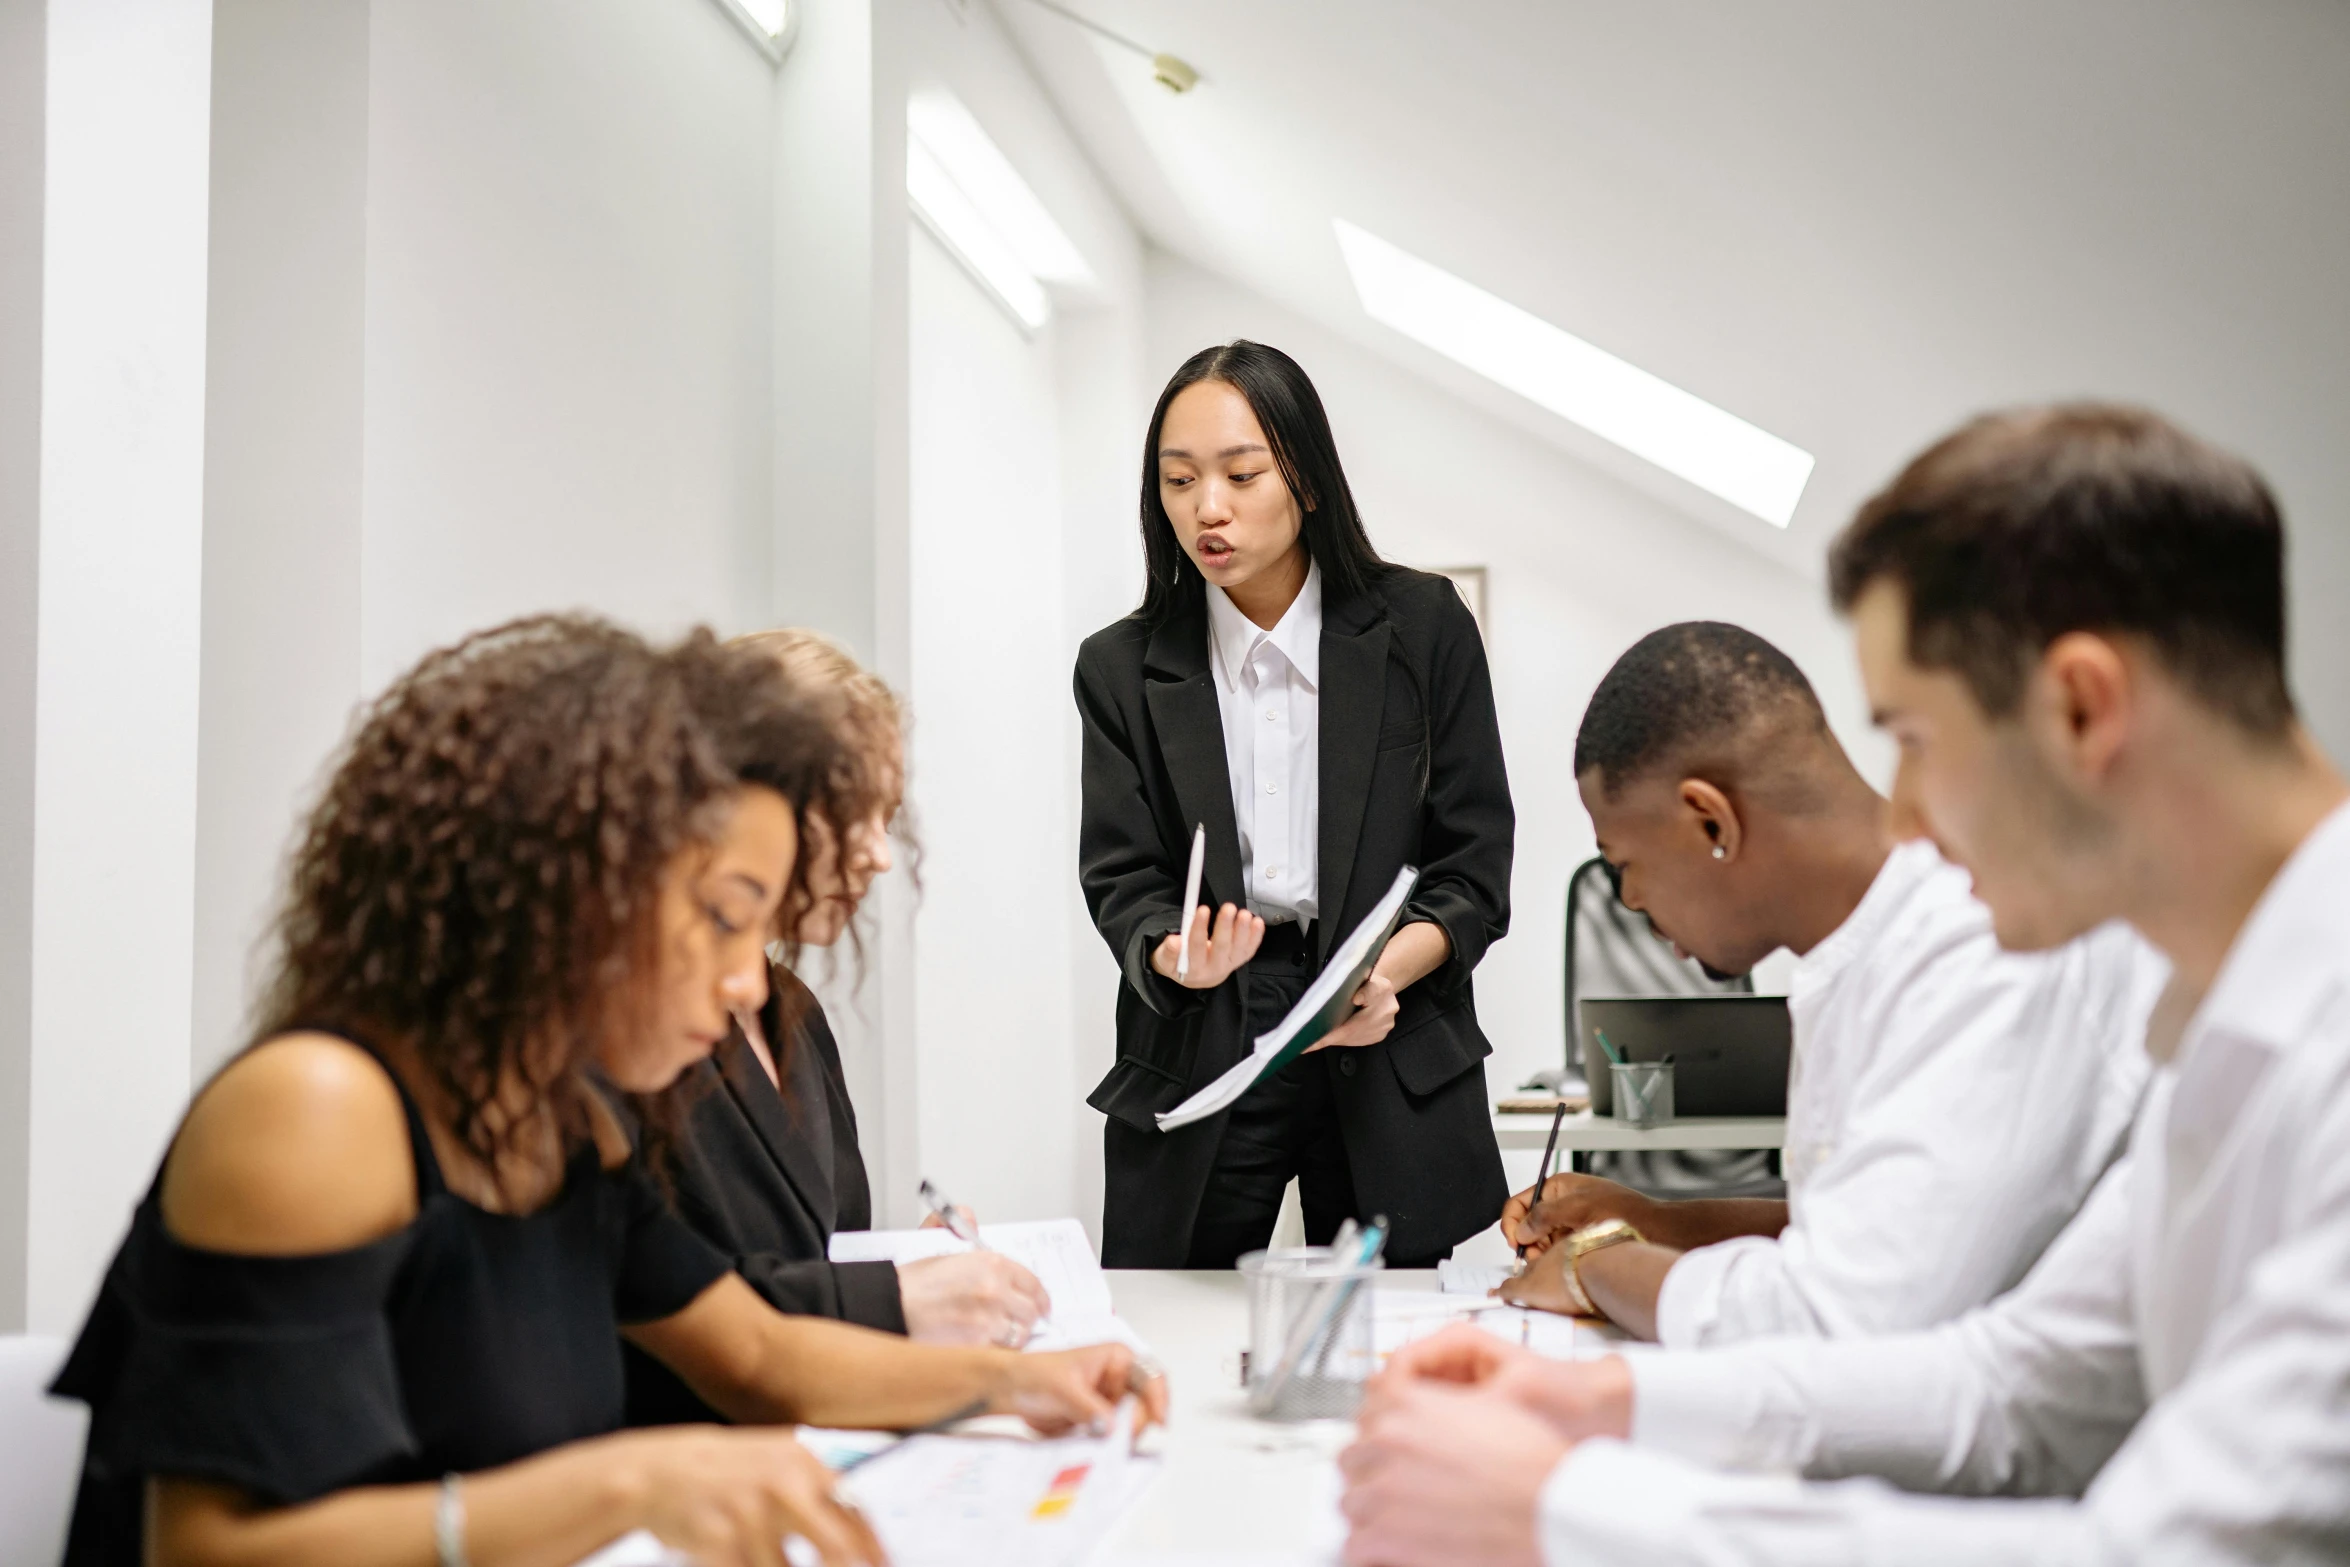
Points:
(1582, 1243)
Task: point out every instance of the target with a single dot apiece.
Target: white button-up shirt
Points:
(1268, 690)
(2179, 1362)
(1950, 1107)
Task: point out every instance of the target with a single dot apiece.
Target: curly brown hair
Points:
(479, 881)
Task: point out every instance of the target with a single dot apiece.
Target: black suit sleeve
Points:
(865, 1293)
(1469, 824)
(1134, 894)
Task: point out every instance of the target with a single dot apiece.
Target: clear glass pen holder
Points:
(1310, 1321)
(1643, 1092)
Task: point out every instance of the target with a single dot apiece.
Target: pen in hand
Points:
(951, 1217)
(1199, 855)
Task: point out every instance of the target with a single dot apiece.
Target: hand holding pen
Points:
(1205, 952)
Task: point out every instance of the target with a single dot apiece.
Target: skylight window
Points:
(966, 192)
(770, 23)
(1646, 415)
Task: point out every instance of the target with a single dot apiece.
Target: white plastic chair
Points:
(40, 1452)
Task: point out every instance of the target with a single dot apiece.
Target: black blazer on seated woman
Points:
(767, 1177)
(1410, 774)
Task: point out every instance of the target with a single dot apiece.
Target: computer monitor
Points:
(1730, 1053)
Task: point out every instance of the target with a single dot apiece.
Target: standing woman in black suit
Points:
(1329, 718)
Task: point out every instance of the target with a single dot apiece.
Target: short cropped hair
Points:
(1687, 694)
(2022, 526)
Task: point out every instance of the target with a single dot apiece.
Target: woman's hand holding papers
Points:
(1412, 954)
(1216, 950)
(1454, 1443)
(974, 1297)
(1061, 1392)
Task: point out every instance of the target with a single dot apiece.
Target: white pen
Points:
(1199, 857)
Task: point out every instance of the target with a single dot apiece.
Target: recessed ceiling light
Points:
(966, 192)
(1644, 414)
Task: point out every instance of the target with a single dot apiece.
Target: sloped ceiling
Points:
(1851, 223)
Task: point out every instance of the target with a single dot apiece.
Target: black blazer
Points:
(767, 1180)
(1411, 774)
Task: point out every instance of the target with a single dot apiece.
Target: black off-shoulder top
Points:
(467, 1340)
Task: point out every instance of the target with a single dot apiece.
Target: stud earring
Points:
(1721, 853)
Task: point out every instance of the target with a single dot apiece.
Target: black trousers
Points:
(1285, 1126)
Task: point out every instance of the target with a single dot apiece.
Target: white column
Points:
(23, 79)
(282, 446)
(840, 541)
(121, 557)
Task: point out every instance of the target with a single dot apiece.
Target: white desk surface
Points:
(1233, 1489)
(1583, 1132)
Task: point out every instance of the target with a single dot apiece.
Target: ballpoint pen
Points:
(951, 1216)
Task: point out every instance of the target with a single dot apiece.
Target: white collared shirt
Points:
(2179, 1361)
(1268, 690)
(1950, 1106)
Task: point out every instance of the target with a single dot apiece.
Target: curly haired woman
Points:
(370, 1312)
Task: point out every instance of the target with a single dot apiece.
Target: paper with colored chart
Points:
(972, 1501)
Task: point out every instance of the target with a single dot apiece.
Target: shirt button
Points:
(1273, 873)
(1272, 788)
(1346, 1064)
(1270, 715)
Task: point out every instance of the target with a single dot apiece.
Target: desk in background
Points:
(1583, 1132)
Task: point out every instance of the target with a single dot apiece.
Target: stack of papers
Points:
(1055, 1250)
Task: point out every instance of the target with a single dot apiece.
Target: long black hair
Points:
(1283, 398)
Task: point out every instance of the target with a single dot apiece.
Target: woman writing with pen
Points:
(767, 1163)
(1327, 718)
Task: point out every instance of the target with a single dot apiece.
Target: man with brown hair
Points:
(2072, 621)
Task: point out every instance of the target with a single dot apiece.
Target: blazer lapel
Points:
(1190, 728)
(1353, 694)
(798, 1133)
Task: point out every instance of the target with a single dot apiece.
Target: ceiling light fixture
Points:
(1644, 414)
(772, 24)
(965, 191)
(1170, 72)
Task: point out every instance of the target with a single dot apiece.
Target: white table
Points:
(1583, 1132)
(1233, 1489)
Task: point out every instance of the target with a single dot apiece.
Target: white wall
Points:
(285, 370)
(1022, 543)
(1579, 566)
(121, 475)
(992, 1021)
(567, 318)
(24, 59)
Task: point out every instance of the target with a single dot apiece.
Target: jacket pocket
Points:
(1438, 1048)
(1156, 1056)
(1136, 1092)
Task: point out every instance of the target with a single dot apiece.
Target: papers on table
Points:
(965, 1501)
(1472, 1278)
(1323, 1007)
(1401, 1316)
(1055, 1250)
(962, 1501)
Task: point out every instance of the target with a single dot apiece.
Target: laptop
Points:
(1730, 1053)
